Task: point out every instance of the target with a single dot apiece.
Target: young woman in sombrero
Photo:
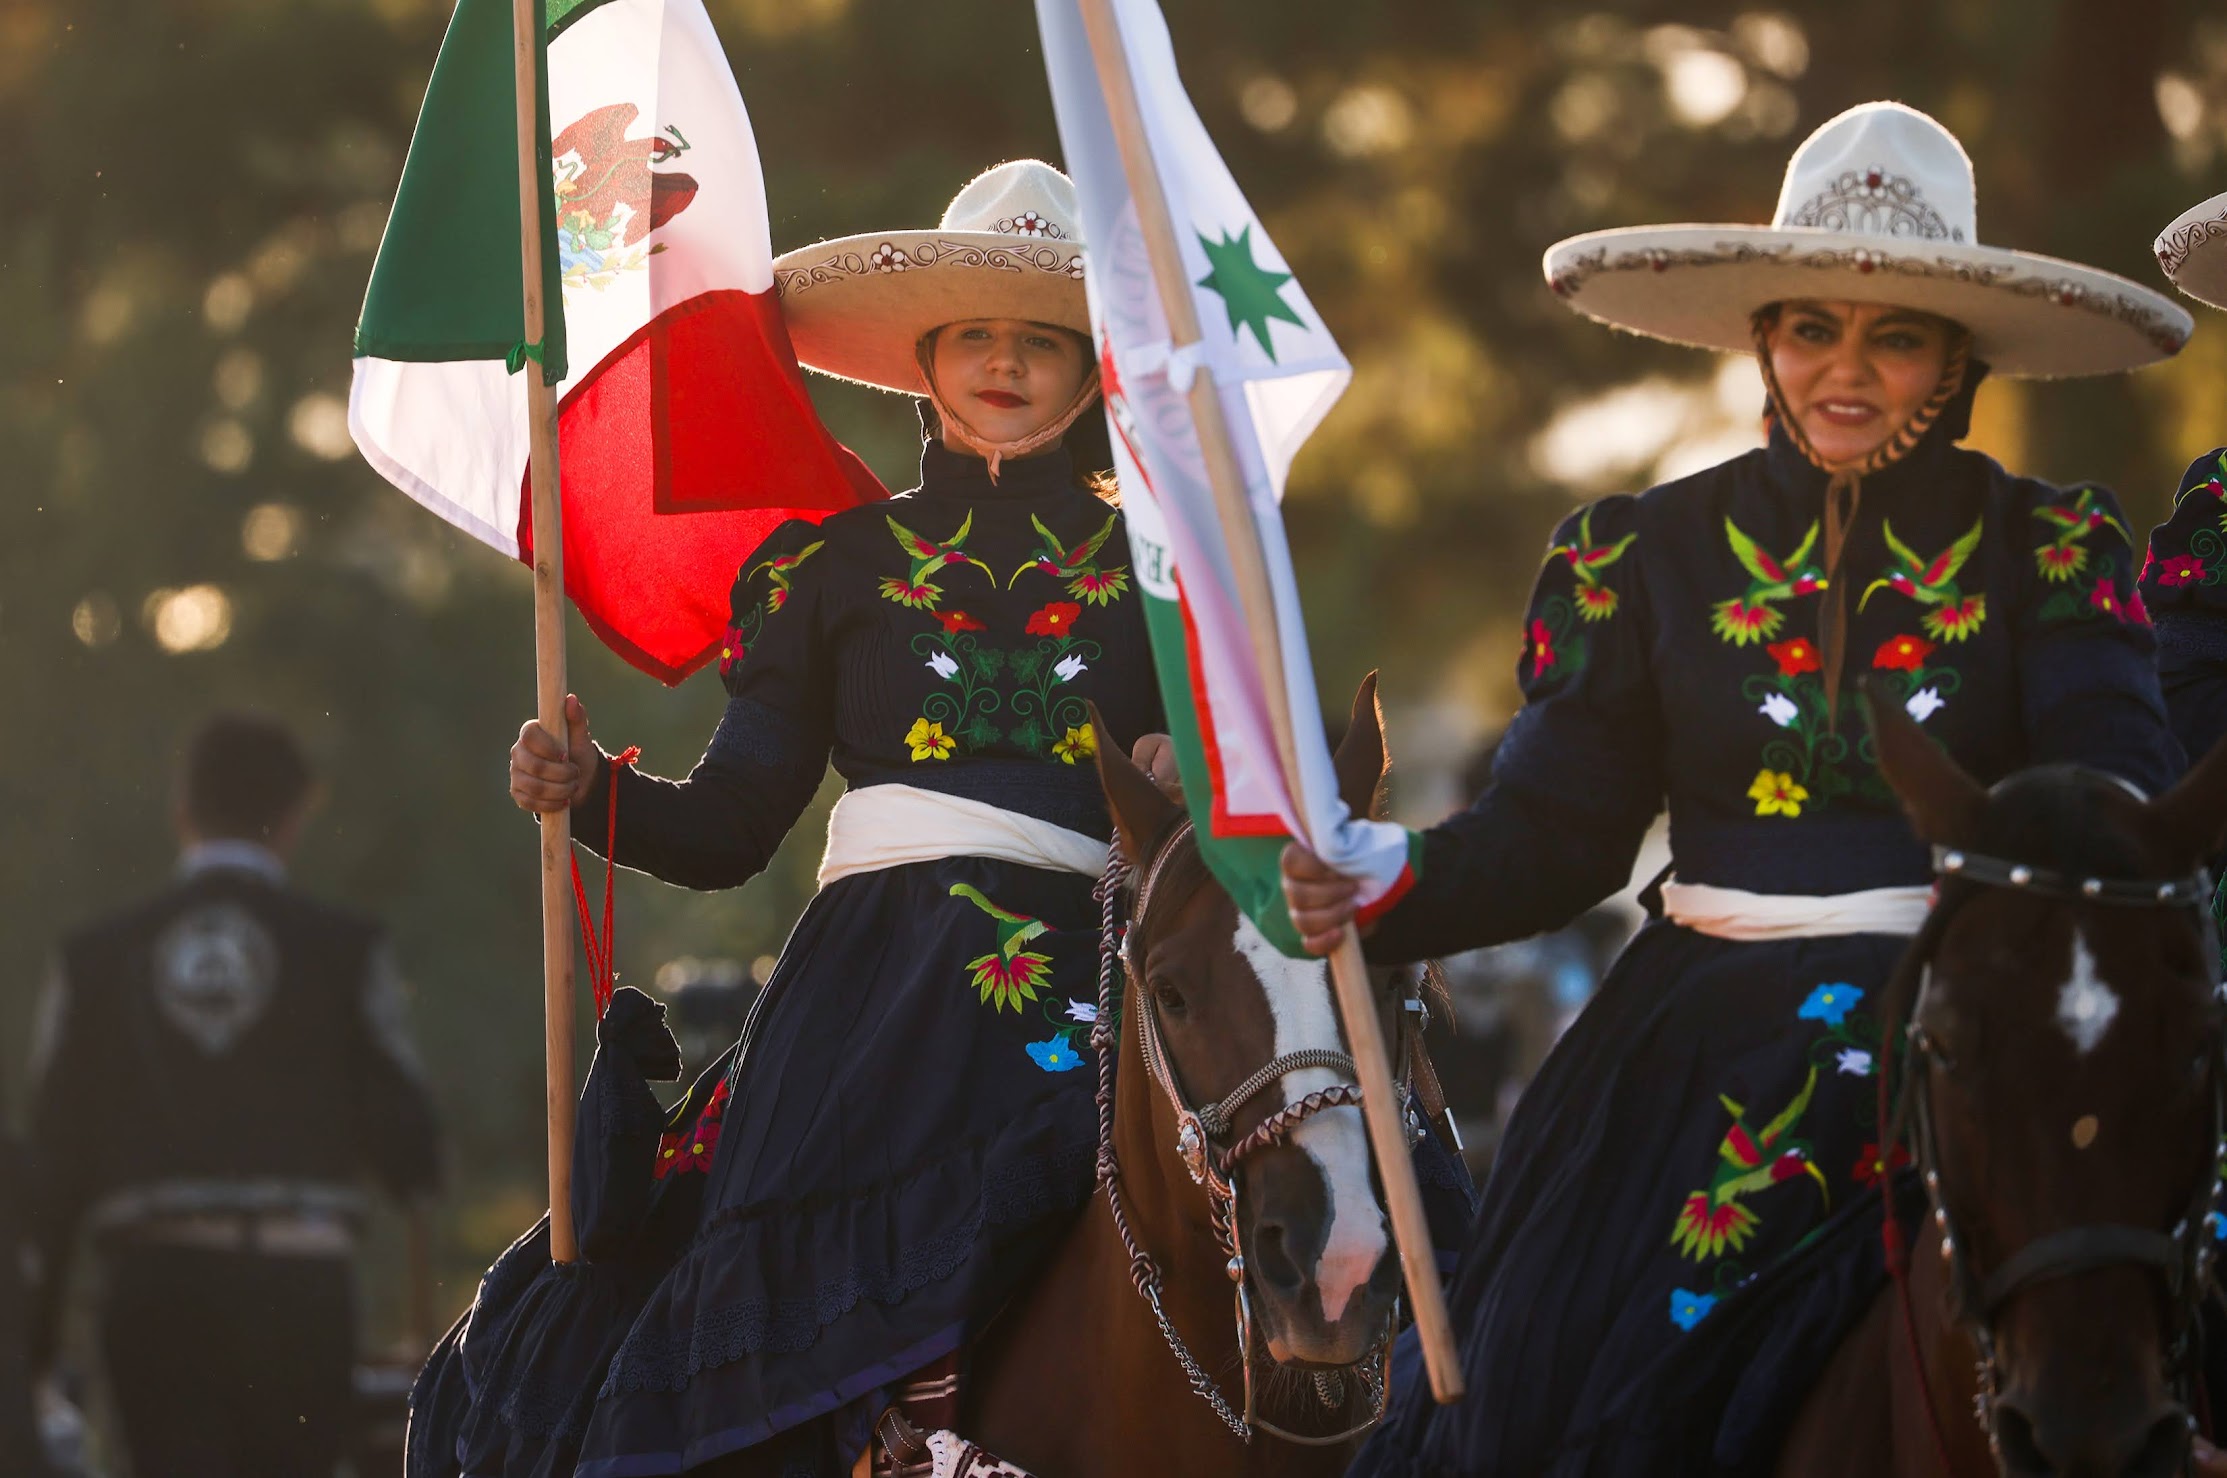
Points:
(903, 1134)
(1699, 645)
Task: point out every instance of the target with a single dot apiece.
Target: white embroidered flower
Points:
(887, 258)
(1082, 1011)
(1855, 1062)
(1925, 703)
(943, 665)
(1779, 709)
(1069, 667)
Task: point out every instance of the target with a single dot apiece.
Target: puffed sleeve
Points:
(1577, 779)
(719, 827)
(2087, 657)
(2184, 584)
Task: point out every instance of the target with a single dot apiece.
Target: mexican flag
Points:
(1277, 372)
(684, 430)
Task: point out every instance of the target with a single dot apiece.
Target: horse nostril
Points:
(1270, 1261)
(2017, 1444)
(2158, 1449)
(2163, 1450)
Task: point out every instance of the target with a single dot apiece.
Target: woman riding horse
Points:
(1715, 1105)
(905, 1136)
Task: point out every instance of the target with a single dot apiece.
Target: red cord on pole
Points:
(602, 971)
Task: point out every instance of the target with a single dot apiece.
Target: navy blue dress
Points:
(1622, 1304)
(906, 1132)
(2184, 585)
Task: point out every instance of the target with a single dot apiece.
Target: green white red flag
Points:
(684, 430)
(1277, 371)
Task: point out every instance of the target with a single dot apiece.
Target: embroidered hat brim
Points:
(857, 305)
(1879, 205)
(2193, 252)
(2029, 315)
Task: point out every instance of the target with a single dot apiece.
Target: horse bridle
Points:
(2182, 1257)
(1202, 1142)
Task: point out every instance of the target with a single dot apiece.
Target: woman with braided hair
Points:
(1715, 1106)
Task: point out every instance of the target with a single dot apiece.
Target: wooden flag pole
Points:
(549, 666)
(1380, 1108)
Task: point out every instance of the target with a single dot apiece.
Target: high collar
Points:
(234, 854)
(946, 473)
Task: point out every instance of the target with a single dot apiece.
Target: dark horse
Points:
(1251, 1092)
(2061, 1096)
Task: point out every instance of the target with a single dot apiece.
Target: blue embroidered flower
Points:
(1830, 1004)
(1689, 1309)
(2218, 1224)
(1055, 1056)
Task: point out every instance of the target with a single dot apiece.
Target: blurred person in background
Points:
(707, 1002)
(215, 1071)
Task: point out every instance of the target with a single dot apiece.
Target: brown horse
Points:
(2062, 1097)
(1079, 1379)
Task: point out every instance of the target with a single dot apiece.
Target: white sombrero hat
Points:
(1877, 207)
(1009, 246)
(2193, 252)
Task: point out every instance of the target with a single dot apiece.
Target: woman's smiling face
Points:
(1853, 374)
(1007, 376)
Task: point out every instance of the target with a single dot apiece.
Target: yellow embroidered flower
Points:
(1775, 794)
(928, 741)
(1080, 744)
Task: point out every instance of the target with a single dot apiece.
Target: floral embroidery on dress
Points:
(1950, 614)
(1010, 973)
(1716, 1219)
(928, 741)
(742, 633)
(916, 590)
(2088, 578)
(1555, 638)
(1754, 615)
(689, 1149)
(1086, 578)
(1777, 793)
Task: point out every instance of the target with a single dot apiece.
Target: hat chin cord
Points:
(957, 429)
(1844, 484)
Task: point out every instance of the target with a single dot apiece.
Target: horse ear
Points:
(1141, 811)
(1943, 802)
(1362, 760)
(2192, 816)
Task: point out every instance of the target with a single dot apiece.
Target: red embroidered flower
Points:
(1542, 648)
(2106, 600)
(955, 622)
(2137, 610)
(1902, 654)
(1869, 1172)
(2216, 488)
(2181, 569)
(691, 1149)
(1795, 657)
(1055, 619)
(731, 649)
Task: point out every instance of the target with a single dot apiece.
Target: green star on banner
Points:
(1250, 292)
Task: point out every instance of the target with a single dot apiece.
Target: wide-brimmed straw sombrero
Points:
(1009, 246)
(1878, 206)
(2193, 252)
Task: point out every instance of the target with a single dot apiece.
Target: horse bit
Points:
(1200, 1136)
(2182, 1257)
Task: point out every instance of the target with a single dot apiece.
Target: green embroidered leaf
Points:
(978, 733)
(1025, 665)
(988, 661)
(1029, 734)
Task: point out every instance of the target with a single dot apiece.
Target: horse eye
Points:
(1168, 998)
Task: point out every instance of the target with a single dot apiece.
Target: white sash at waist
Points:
(1735, 913)
(878, 826)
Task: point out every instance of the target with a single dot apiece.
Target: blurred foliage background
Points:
(194, 190)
